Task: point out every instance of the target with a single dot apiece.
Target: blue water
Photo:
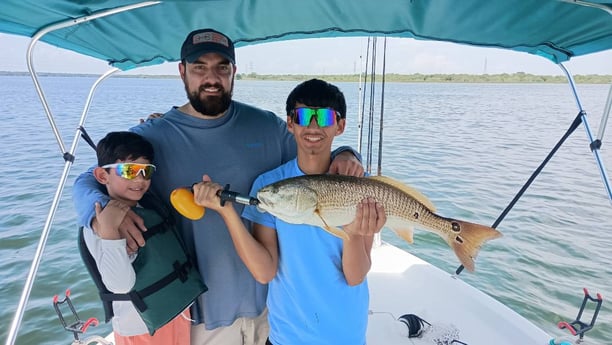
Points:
(468, 147)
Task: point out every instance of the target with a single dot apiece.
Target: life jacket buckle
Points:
(182, 271)
(137, 300)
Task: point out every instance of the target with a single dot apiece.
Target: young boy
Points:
(152, 289)
(318, 293)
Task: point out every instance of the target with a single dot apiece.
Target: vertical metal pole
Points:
(605, 115)
(362, 100)
(25, 294)
(370, 139)
(382, 109)
(359, 111)
(594, 148)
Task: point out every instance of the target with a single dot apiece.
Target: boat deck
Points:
(401, 283)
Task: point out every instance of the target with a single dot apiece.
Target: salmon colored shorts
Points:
(175, 332)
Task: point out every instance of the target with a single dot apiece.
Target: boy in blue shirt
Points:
(318, 292)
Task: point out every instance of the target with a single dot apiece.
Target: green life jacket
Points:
(167, 281)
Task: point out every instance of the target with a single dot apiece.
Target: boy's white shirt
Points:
(118, 275)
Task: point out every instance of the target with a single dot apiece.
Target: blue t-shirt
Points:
(309, 301)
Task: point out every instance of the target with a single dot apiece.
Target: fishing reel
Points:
(182, 200)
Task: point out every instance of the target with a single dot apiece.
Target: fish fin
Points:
(405, 233)
(337, 232)
(406, 189)
(332, 230)
(466, 239)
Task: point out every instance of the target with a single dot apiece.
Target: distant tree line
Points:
(519, 77)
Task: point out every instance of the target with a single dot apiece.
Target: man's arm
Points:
(86, 191)
(346, 161)
(112, 260)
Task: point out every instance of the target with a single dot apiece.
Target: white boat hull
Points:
(401, 283)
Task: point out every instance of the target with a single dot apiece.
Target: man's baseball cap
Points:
(204, 41)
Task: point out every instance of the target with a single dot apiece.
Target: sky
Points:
(325, 56)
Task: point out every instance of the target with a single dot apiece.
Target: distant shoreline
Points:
(518, 77)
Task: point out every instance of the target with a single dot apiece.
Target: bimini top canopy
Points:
(152, 34)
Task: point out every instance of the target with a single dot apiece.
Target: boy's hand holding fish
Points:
(369, 219)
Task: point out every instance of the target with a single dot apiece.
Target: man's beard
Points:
(209, 105)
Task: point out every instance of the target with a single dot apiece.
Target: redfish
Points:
(330, 201)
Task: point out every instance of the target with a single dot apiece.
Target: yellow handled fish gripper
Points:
(182, 200)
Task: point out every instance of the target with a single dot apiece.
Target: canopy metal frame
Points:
(67, 155)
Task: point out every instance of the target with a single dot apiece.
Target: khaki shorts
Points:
(244, 331)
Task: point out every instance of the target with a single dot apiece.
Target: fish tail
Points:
(466, 239)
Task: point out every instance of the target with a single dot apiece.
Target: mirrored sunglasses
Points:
(130, 171)
(325, 116)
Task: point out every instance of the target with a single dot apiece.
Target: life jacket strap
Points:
(137, 297)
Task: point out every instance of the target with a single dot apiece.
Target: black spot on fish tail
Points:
(459, 239)
(456, 227)
(416, 215)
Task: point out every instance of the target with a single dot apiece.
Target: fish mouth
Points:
(263, 205)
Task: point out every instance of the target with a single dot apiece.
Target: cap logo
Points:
(210, 37)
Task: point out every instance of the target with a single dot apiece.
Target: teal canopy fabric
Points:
(555, 29)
